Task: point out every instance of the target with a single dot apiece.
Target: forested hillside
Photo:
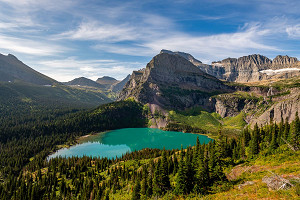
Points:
(34, 140)
(196, 172)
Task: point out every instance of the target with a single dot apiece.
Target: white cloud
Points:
(29, 46)
(293, 31)
(70, 68)
(212, 47)
(106, 32)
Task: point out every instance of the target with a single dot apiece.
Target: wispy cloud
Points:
(93, 30)
(29, 46)
(72, 67)
(64, 39)
(293, 31)
(211, 47)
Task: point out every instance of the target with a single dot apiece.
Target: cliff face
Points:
(284, 108)
(171, 81)
(119, 86)
(175, 80)
(251, 68)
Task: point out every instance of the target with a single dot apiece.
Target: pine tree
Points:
(274, 143)
(201, 178)
(157, 179)
(295, 132)
(165, 180)
(286, 129)
(181, 187)
(254, 145)
(144, 182)
(136, 191)
(246, 137)
(149, 191)
(189, 172)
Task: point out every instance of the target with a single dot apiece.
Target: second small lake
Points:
(118, 142)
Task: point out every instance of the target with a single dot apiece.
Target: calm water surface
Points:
(117, 142)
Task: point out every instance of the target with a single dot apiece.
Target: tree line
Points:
(150, 173)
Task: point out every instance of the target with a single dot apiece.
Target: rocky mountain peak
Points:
(254, 60)
(284, 61)
(171, 81)
(187, 56)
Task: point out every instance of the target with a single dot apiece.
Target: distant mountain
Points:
(21, 96)
(117, 87)
(23, 88)
(251, 68)
(12, 70)
(82, 81)
(107, 81)
(170, 81)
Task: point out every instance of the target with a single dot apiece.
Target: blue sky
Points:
(65, 39)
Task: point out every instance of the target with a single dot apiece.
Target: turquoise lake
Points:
(118, 142)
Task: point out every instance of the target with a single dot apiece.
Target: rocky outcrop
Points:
(284, 62)
(171, 81)
(117, 87)
(249, 68)
(284, 108)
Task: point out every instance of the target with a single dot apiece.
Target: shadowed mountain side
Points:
(172, 82)
(82, 81)
(12, 69)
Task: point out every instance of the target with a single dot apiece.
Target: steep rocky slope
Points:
(171, 81)
(251, 68)
(117, 87)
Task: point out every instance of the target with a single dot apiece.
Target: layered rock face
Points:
(171, 81)
(250, 68)
(285, 108)
(214, 70)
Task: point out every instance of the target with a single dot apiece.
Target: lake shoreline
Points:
(85, 138)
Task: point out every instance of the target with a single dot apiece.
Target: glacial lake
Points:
(118, 142)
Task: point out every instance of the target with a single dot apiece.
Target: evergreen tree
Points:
(286, 129)
(149, 191)
(246, 137)
(254, 145)
(295, 132)
(157, 179)
(136, 191)
(165, 180)
(201, 177)
(144, 182)
(274, 143)
(181, 185)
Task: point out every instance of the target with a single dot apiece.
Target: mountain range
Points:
(260, 88)
(178, 81)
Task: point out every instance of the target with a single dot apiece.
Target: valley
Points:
(254, 126)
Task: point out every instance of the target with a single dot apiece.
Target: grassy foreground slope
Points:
(284, 163)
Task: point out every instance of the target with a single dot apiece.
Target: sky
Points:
(66, 39)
